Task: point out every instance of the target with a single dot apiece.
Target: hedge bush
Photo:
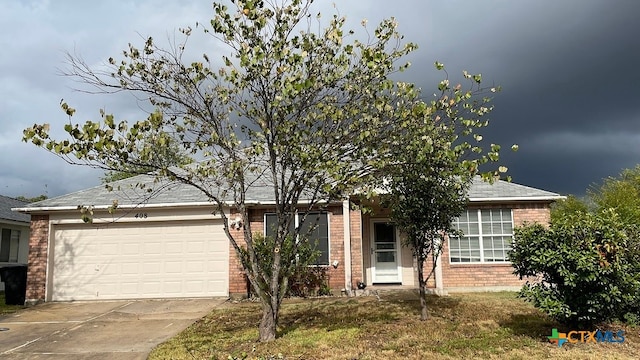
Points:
(582, 270)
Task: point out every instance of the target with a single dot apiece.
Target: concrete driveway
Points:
(97, 330)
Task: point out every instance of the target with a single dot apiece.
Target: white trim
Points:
(438, 273)
(329, 215)
(14, 223)
(48, 272)
(155, 206)
(346, 220)
(363, 271)
(257, 203)
(121, 220)
(517, 198)
(481, 236)
(106, 207)
(398, 250)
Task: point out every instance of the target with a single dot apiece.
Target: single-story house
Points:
(14, 229)
(172, 243)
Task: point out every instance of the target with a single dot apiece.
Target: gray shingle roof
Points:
(481, 190)
(128, 192)
(6, 204)
(164, 193)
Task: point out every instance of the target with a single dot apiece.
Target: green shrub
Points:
(303, 278)
(309, 281)
(584, 269)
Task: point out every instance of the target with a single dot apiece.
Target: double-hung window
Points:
(9, 245)
(315, 228)
(486, 236)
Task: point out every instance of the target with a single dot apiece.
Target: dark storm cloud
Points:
(575, 114)
(568, 69)
(569, 72)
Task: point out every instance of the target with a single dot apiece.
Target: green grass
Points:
(461, 326)
(7, 309)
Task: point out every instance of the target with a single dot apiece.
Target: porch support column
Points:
(346, 216)
(438, 275)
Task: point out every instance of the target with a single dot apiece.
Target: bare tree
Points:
(305, 112)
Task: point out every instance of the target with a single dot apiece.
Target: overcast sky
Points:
(569, 70)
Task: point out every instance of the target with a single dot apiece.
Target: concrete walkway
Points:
(97, 330)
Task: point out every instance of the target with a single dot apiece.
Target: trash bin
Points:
(15, 283)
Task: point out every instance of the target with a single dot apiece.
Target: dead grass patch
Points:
(7, 309)
(462, 326)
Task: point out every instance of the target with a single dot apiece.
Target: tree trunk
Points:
(271, 304)
(268, 323)
(424, 315)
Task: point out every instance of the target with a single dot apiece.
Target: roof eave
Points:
(105, 207)
(517, 198)
(14, 222)
(145, 206)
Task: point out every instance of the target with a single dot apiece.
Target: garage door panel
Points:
(152, 248)
(130, 249)
(195, 247)
(173, 267)
(130, 269)
(123, 261)
(129, 289)
(174, 248)
(109, 249)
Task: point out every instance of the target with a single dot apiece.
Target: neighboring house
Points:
(14, 229)
(173, 244)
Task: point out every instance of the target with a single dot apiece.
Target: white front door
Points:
(385, 253)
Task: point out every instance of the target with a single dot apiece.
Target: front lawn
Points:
(474, 325)
(7, 309)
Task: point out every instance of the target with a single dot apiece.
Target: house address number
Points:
(141, 215)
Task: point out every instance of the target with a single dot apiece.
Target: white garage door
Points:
(140, 260)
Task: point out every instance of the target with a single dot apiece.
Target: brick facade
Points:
(489, 275)
(428, 266)
(336, 248)
(531, 213)
(37, 259)
(237, 280)
(453, 275)
(357, 265)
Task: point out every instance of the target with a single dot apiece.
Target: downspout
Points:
(346, 216)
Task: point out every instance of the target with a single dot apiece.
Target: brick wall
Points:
(336, 248)
(37, 258)
(357, 271)
(492, 275)
(427, 267)
(536, 212)
(237, 280)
